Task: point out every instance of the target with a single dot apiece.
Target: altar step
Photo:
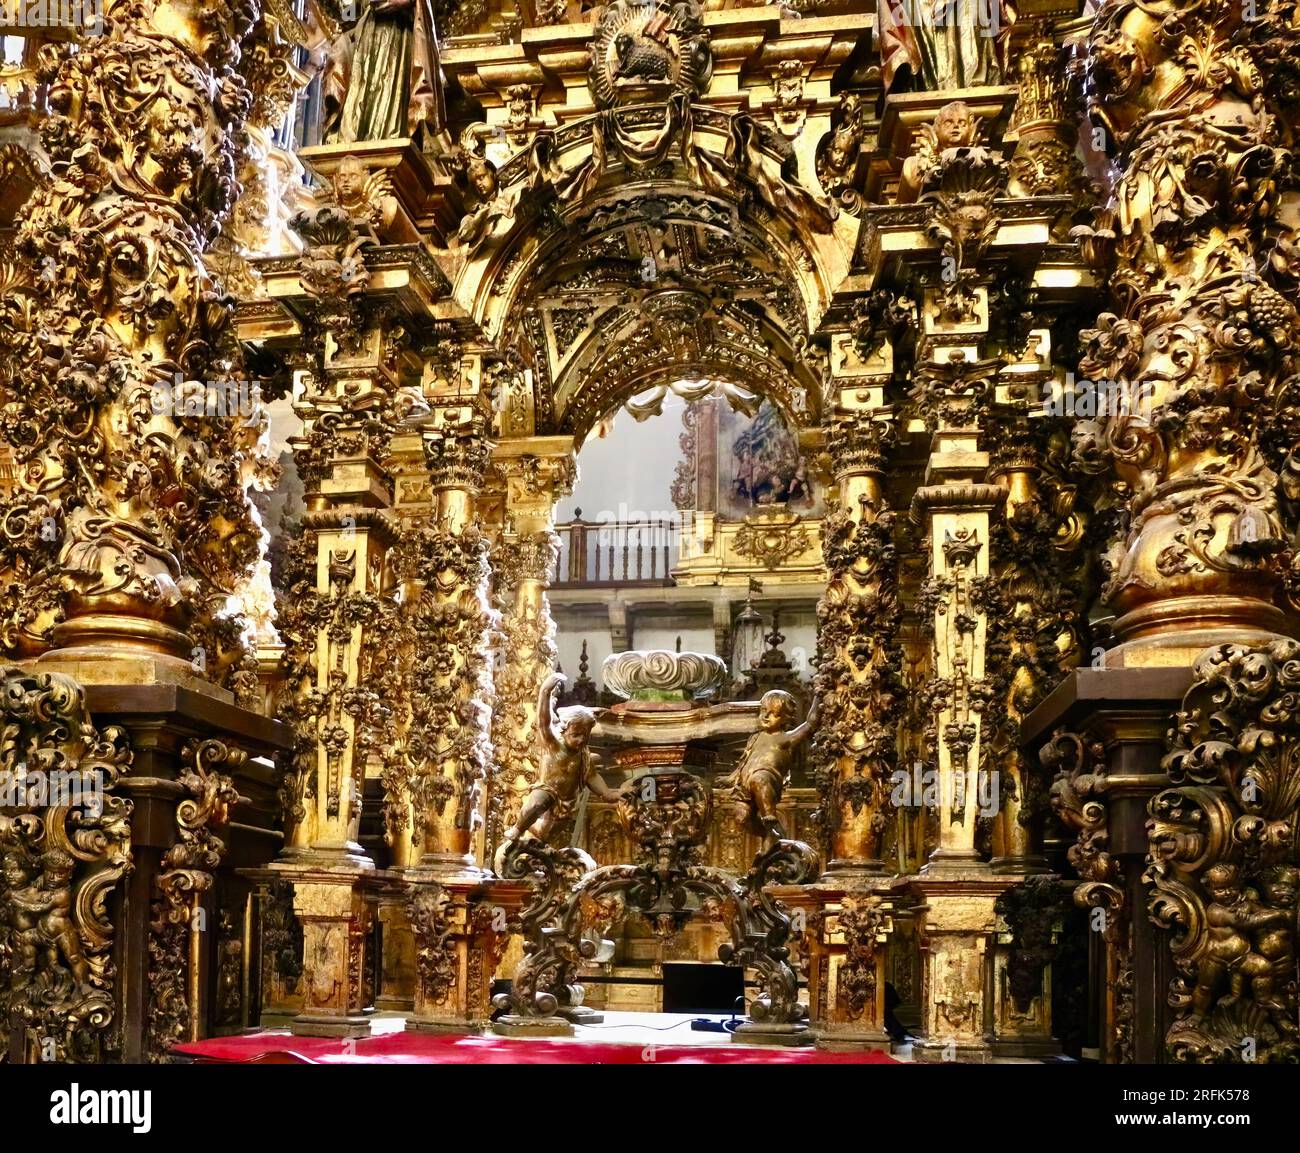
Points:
(634, 996)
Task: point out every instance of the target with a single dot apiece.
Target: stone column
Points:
(537, 471)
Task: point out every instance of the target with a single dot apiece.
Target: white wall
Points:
(569, 642)
(629, 473)
(694, 640)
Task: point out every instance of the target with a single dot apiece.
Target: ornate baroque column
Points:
(858, 615)
(537, 471)
(1198, 247)
(118, 363)
(340, 612)
(450, 737)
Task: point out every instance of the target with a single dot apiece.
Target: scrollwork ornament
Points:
(61, 863)
(1223, 858)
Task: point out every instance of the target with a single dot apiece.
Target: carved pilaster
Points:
(178, 971)
(956, 507)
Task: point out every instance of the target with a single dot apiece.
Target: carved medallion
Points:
(772, 538)
(647, 52)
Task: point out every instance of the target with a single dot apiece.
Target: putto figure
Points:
(568, 766)
(764, 769)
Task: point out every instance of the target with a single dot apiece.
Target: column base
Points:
(349, 858)
(310, 1026)
(580, 1015)
(772, 1033)
(435, 1026)
(1020, 866)
(949, 862)
(449, 867)
(832, 1040)
(513, 1026)
(1174, 631)
(843, 870)
(126, 664)
(939, 1052)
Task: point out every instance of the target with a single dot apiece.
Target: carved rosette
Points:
(60, 867)
(1202, 324)
(1223, 856)
(118, 364)
(856, 681)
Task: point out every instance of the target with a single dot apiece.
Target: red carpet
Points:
(426, 1049)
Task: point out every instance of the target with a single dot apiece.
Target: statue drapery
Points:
(948, 44)
(383, 79)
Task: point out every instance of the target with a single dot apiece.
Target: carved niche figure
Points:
(947, 44)
(382, 79)
(567, 767)
(760, 778)
(21, 941)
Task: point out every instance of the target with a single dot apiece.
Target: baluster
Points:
(626, 531)
(640, 540)
(668, 532)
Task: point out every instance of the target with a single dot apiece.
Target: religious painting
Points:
(760, 464)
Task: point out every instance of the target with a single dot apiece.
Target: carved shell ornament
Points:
(658, 670)
(645, 53)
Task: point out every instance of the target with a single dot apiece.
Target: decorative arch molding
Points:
(665, 337)
(695, 185)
